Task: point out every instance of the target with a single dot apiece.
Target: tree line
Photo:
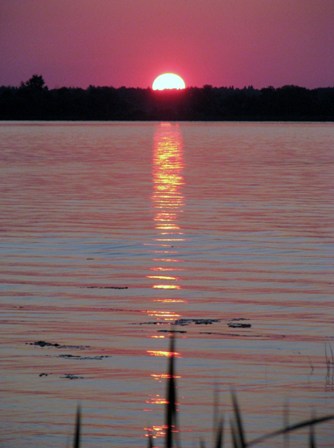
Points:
(33, 100)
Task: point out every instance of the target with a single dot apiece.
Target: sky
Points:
(77, 43)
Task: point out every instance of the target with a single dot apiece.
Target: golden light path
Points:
(168, 201)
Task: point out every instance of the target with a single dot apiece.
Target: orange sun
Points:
(168, 81)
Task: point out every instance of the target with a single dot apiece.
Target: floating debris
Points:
(43, 374)
(70, 376)
(107, 287)
(214, 333)
(43, 344)
(172, 331)
(83, 358)
(237, 319)
(181, 322)
(56, 345)
(152, 323)
(184, 322)
(245, 335)
(238, 325)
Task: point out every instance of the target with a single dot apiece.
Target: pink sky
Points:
(130, 42)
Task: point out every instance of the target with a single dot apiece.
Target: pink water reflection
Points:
(239, 217)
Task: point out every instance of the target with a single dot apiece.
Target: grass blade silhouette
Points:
(312, 443)
(219, 443)
(239, 430)
(76, 442)
(304, 424)
(218, 422)
(202, 444)
(150, 443)
(234, 436)
(171, 411)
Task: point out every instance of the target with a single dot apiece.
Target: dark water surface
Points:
(110, 232)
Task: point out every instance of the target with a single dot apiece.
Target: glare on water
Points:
(114, 234)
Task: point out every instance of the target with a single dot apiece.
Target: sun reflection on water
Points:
(164, 315)
(168, 202)
(165, 274)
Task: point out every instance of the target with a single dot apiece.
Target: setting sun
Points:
(168, 81)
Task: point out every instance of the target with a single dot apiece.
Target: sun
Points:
(168, 81)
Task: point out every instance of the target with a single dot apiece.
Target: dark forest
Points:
(33, 100)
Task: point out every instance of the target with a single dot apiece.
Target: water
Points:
(111, 231)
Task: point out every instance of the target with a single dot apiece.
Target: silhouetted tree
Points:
(36, 82)
(34, 101)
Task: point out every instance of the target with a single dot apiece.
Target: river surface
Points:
(114, 234)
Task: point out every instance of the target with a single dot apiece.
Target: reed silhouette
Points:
(237, 431)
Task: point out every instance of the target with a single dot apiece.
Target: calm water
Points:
(112, 231)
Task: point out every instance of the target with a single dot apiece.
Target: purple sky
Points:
(130, 42)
